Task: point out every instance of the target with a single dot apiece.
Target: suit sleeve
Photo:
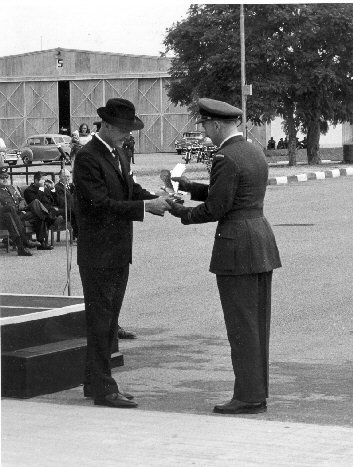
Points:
(29, 196)
(221, 192)
(92, 192)
(139, 193)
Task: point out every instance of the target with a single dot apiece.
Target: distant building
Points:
(42, 92)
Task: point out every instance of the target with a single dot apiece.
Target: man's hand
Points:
(177, 209)
(49, 184)
(184, 183)
(157, 206)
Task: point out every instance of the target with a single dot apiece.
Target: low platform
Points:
(43, 344)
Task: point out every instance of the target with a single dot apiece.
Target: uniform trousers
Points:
(10, 219)
(246, 303)
(104, 290)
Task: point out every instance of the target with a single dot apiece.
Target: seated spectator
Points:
(271, 143)
(280, 144)
(65, 188)
(44, 191)
(15, 211)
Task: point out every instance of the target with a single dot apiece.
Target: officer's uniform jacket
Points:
(244, 241)
(107, 201)
(11, 197)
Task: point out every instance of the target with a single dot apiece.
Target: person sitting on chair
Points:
(65, 188)
(16, 207)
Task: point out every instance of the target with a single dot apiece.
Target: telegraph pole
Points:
(242, 68)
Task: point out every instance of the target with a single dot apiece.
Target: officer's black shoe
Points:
(238, 407)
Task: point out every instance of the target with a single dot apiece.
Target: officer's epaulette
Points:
(219, 156)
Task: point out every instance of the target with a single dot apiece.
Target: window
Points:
(34, 141)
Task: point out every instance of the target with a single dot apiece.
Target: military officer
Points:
(244, 252)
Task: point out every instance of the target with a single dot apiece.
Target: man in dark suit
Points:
(244, 252)
(64, 196)
(108, 201)
(46, 195)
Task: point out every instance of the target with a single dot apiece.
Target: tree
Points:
(299, 59)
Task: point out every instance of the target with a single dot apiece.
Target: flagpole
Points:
(242, 65)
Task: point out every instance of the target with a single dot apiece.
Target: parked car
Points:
(10, 156)
(190, 140)
(44, 148)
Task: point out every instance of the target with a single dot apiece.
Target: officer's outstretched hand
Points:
(157, 206)
(184, 183)
(177, 209)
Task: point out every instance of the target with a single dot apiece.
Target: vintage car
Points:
(10, 156)
(190, 140)
(44, 148)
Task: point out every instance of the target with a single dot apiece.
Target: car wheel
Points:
(26, 160)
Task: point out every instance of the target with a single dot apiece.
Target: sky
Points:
(136, 27)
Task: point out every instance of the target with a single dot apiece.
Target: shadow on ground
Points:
(190, 374)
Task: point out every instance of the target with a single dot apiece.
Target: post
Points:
(242, 57)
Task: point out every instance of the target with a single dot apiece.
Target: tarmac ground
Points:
(179, 366)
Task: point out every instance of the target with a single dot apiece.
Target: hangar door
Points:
(27, 108)
(163, 121)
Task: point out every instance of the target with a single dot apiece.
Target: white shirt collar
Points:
(104, 142)
(238, 133)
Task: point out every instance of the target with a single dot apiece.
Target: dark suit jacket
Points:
(46, 197)
(107, 201)
(60, 197)
(244, 241)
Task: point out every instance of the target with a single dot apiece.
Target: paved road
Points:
(181, 358)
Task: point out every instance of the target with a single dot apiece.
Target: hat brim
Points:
(203, 119)
(130, 125)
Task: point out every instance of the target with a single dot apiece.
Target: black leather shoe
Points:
(31, 244)
(236, 407)
(44, 247)
(24, 252)
(87, 392)
(115, 400)
(123, 334)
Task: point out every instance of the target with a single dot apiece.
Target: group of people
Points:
(283, 143)
(42, 204)
(244, 253)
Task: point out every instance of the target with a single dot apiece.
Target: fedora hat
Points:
(121, 113)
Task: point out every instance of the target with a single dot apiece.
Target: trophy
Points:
(171, 187)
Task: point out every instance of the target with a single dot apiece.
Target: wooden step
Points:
(45, 369)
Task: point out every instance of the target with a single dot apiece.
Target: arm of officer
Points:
(198, 191)
(221, 192)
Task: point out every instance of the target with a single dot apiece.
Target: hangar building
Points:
(41, 92)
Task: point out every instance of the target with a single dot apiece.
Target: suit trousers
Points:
(104, 290)
(37, 214)
(246, 303)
